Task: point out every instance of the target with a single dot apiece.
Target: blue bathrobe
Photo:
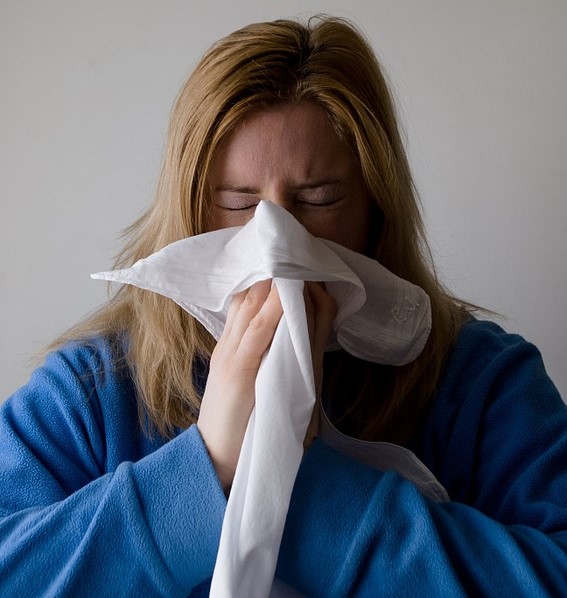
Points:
(90, 505)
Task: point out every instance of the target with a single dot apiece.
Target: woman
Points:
(117, 455)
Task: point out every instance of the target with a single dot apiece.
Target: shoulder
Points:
(81, 379)
(494, 394)
(93, 355)
(83, 397)
(485, 340)
(84, 367)
(486, 354)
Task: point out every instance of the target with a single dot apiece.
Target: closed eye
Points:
(320, 202)
(236, 201)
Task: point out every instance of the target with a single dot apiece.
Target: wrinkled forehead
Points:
(293, 141)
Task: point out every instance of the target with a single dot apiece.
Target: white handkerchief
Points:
(380, 318)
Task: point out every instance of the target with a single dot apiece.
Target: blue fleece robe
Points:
(90, 506)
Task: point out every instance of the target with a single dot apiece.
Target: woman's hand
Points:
(229, 395)
(320, 309)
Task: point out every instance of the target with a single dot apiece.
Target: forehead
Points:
(291, 140)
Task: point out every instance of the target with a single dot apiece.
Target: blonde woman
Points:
(117, 456)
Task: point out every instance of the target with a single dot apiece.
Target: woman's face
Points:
(291, 156)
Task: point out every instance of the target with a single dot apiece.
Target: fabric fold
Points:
(380, 318)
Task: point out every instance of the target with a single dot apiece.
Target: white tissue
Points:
(380, 318)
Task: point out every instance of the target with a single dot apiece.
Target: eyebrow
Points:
(236, 189)
(317, 184)
(251, 191)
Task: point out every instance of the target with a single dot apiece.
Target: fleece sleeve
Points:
(68, 527)
(499, 444)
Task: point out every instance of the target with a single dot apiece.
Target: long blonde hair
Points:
(328, 62)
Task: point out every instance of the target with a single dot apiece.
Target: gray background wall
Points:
(86, 89)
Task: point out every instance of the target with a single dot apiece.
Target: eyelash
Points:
(314, 204)
(325, 202)
(239, 209)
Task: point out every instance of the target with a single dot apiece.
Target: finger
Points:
(260, 332)
(247, 305)
(314, 424)
(309, 311)
(324, 312)
(324, 309)
(233, 308)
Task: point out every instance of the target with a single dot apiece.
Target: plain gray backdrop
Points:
(86, 90)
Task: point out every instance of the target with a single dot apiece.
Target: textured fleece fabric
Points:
(90, 506)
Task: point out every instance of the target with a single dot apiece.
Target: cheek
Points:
(224, 219)
(349, 228)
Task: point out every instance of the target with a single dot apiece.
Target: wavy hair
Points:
(326, 61)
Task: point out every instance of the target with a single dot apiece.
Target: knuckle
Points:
(252, 304)
(309, 310)
(329, 303)
(256, 324)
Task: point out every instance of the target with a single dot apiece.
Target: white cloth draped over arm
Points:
(380, 318)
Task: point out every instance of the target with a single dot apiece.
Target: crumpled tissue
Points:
(380, 318)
